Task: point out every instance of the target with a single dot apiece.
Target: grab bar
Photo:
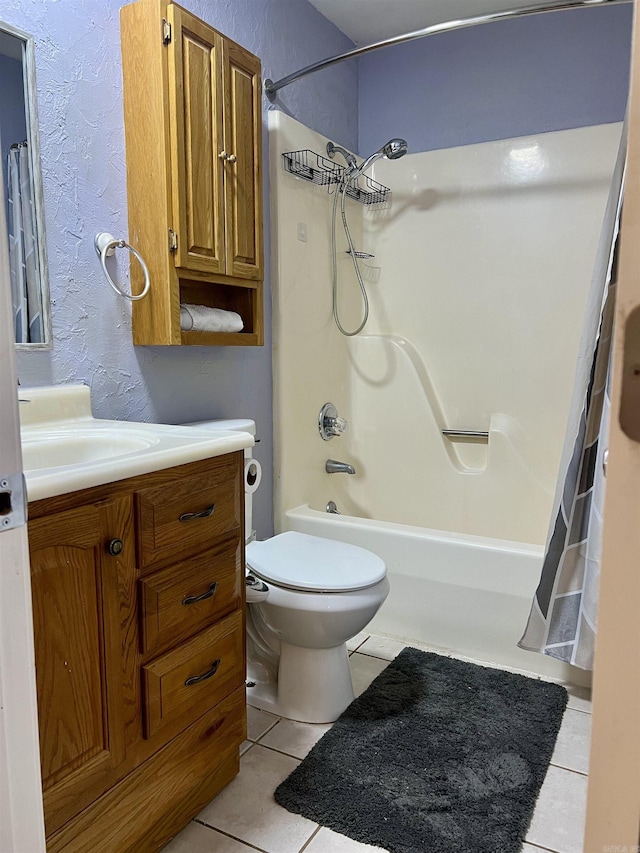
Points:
(465, 433)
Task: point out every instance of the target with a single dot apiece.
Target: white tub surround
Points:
(477, 290)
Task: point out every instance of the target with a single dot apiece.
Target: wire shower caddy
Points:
(324, 172)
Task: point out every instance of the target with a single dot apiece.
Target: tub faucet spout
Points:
(332, 466)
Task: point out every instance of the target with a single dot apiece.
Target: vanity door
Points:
(83, 590)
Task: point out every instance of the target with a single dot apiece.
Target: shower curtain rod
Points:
(271, 87)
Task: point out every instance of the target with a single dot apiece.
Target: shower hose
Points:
(341, 193)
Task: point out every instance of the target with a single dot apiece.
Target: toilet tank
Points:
(252, 469)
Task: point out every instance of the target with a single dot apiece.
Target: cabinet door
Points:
(81, 598)
(243, 169)
(196, 104)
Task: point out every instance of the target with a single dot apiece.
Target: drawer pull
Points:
(196, 679)
(191, 599)
(204, 513)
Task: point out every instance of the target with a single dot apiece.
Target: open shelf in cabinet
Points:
(244, 299)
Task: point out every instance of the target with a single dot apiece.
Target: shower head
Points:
(392, 150)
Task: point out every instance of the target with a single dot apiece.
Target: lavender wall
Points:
(542, 73)
(81, 122)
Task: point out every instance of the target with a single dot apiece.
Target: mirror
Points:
(20, 149)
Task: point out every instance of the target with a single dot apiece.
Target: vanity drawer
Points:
(185, 515)
(181, 600)
(185, 682)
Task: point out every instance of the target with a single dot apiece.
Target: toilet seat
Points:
(313, 564)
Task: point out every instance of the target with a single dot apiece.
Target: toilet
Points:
(307, 596)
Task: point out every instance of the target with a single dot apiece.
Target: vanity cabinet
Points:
(83, 582)
(139, 624)
(192, 103)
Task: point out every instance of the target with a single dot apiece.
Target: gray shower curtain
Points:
(25, 284)
(563, 617)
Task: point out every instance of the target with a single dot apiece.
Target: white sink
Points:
(64, 448)
(75, 446)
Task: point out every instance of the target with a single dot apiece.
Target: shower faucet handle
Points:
(329, 422)
(337, 425)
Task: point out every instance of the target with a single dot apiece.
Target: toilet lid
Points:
(300, 561)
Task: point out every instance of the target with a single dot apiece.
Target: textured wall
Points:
(82, 135)
(513, 78)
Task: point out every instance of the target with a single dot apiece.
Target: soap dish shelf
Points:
(319, 170)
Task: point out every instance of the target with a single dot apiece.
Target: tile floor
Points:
(246, 818)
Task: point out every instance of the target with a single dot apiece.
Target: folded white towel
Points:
(202, 318)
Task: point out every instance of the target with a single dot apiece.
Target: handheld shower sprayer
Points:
(392, 150)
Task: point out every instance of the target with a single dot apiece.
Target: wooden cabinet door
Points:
(80, 594)
(196, 105)
(243, 169)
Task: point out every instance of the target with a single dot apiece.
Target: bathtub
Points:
(464, 595)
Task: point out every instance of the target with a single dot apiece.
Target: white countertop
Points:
(66, 449)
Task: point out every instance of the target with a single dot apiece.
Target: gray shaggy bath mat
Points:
(438, 755)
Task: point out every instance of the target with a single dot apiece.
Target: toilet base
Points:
(313, 685)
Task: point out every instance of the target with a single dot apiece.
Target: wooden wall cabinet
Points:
(139, 628)
(192, 102)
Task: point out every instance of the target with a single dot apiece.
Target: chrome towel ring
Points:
(106, 245)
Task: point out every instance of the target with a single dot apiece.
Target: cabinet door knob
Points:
(222, 155)
(115, 547)
(231, 158)
(196, 679)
